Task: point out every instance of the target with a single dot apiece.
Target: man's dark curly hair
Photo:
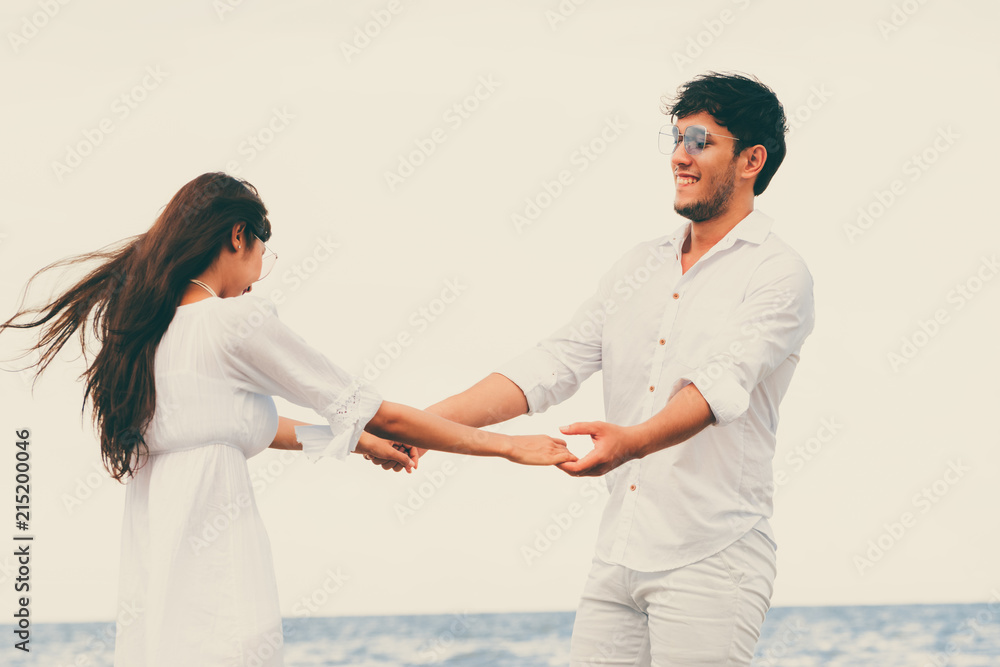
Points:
(744, 106)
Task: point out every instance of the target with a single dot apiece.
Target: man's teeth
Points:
(686, 180)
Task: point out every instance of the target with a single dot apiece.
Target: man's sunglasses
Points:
(694, 139)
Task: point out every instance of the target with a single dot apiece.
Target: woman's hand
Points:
(389, 464)
(538, 450)
(384, 453)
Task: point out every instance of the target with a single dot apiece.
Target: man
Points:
(697, 334)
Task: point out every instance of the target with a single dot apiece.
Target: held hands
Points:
(613, 446)
(538, 450)
(386, 454)
(391, 462)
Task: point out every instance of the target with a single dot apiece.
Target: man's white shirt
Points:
(733, 325)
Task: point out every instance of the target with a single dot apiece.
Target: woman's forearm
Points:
(401, 423)
(285, 437)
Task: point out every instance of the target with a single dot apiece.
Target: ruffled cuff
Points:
(347, 417)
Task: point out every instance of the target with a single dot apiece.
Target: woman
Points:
(182, 389)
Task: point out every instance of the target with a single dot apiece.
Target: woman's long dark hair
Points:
(132, 296)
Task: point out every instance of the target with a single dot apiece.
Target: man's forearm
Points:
(685, 414)
(492, 400)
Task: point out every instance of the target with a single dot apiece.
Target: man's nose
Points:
(680, 157)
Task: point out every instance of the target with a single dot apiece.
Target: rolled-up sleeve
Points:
(554, 369)
(262, 355)
(764, 331)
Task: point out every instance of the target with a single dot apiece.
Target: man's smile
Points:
(685, 179)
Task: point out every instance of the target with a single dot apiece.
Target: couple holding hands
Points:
(697, 333)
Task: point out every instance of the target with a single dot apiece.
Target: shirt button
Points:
(632, 488)
(676, 295)
(651, 387)
(663, 341)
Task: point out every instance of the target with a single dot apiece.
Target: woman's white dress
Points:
(197, 585)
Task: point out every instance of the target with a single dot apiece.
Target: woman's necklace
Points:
(198, 282)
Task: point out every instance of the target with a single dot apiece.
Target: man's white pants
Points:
(706, 613)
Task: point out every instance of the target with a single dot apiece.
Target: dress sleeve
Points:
(263, 356)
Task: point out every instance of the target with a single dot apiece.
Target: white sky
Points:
(877, 100)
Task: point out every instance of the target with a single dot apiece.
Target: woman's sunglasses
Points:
(267, 261)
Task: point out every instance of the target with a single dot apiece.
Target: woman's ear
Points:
(238, 236)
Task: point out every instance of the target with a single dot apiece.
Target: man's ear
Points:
(753, 161)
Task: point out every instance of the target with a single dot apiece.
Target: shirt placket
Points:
(633, 469)
(677, 281)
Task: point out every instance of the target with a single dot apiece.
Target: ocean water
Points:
(965, 635)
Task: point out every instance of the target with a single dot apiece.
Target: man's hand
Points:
(613, 446)
(685, 415)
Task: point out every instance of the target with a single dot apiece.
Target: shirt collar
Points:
(754, 228)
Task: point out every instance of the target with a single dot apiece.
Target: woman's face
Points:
(251, 262)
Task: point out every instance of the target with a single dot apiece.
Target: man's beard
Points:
(716, 203)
